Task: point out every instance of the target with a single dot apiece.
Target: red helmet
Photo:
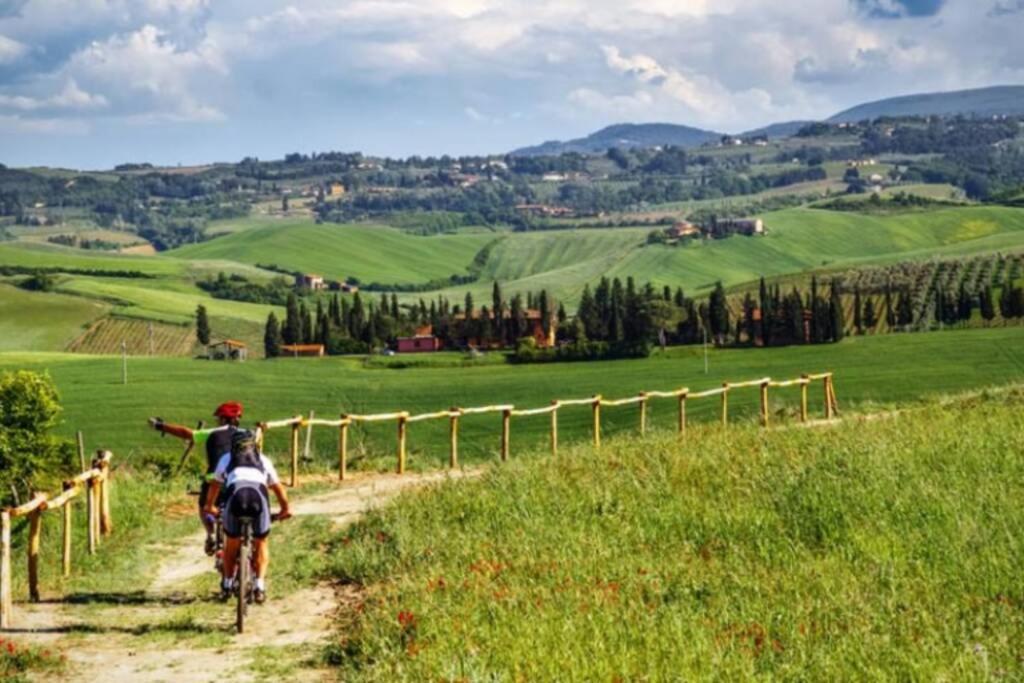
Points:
(232, 410)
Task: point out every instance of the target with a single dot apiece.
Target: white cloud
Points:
(11, 50)
(149, 75)
(71, 97)
(472, 113)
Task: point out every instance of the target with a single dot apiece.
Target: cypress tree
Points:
(545, 311)
(292, 331)
(562, 315)
(837, 321)
(202, 325)
(587, 314)
(396, 313)
(719, 313)
(357, 318)
(324, 332)
(272, 337)
(498, 309)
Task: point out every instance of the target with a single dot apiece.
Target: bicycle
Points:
(246, 569)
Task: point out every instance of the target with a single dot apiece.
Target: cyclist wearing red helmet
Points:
(217, 441)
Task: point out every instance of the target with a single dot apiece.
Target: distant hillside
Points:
(785, 129)
(626, 136)
(1008, 99)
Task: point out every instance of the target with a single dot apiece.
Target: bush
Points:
(30, 459)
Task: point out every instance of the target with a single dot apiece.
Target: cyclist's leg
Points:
(232, 544)
(204, 489)
(261, 548)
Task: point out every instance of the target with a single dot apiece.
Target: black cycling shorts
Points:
(247, 500)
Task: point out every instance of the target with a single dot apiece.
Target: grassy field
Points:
(868, 551)
(797, 240)
(37, 320)
(874, 371)
(370, 253)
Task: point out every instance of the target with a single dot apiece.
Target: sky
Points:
(92, 83)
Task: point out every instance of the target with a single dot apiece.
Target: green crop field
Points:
(37, 320)
(870, 370)
(370, 253)
(885, 550)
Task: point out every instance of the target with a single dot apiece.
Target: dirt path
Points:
(169, 632)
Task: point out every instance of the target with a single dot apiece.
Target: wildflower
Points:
(406, 620)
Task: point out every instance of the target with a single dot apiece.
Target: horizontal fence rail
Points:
(403, 419)
(96, 484)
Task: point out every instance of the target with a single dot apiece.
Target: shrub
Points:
(30, 458)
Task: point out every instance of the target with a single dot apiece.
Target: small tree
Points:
(837, 321)
(284, 203)
(272, 337)
(30, 459)
(202, 325)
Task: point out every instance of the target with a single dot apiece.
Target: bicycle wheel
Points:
(244, 575)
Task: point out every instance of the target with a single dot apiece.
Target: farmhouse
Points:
(229, 349)
(335, 189)
(683, 229)
(534, 327)
(310, 281)
(303, 350)
(423, 341)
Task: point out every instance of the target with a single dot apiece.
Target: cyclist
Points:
(217, 441)
(246, 475)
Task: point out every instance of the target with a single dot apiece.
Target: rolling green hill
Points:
(43, 320)
(369, 253)
(797, 240)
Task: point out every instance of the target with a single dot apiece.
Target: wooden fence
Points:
(507, 412)
(95, 482)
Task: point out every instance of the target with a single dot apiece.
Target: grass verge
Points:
(871, 550)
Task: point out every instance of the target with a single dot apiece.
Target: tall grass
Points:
(888, 549)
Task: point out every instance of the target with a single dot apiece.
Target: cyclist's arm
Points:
(211, 497)
(178, 431)
(282, 500)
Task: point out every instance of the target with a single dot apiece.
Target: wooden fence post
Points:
(832, 395)
(506, 433)
(453, 437)
(764, 403)
(402, 431)
(309, 436)
(6, 603)
(294, 450)
(554, 429)
(803, 397)
(92, 514)
(828, 398)
(643, 413)
(102, 463)
(343, 447)
(725, 404)
(597, 420)
(66, 545)
(682, 413)
(35, 529)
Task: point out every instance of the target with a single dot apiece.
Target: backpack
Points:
(244, 452)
